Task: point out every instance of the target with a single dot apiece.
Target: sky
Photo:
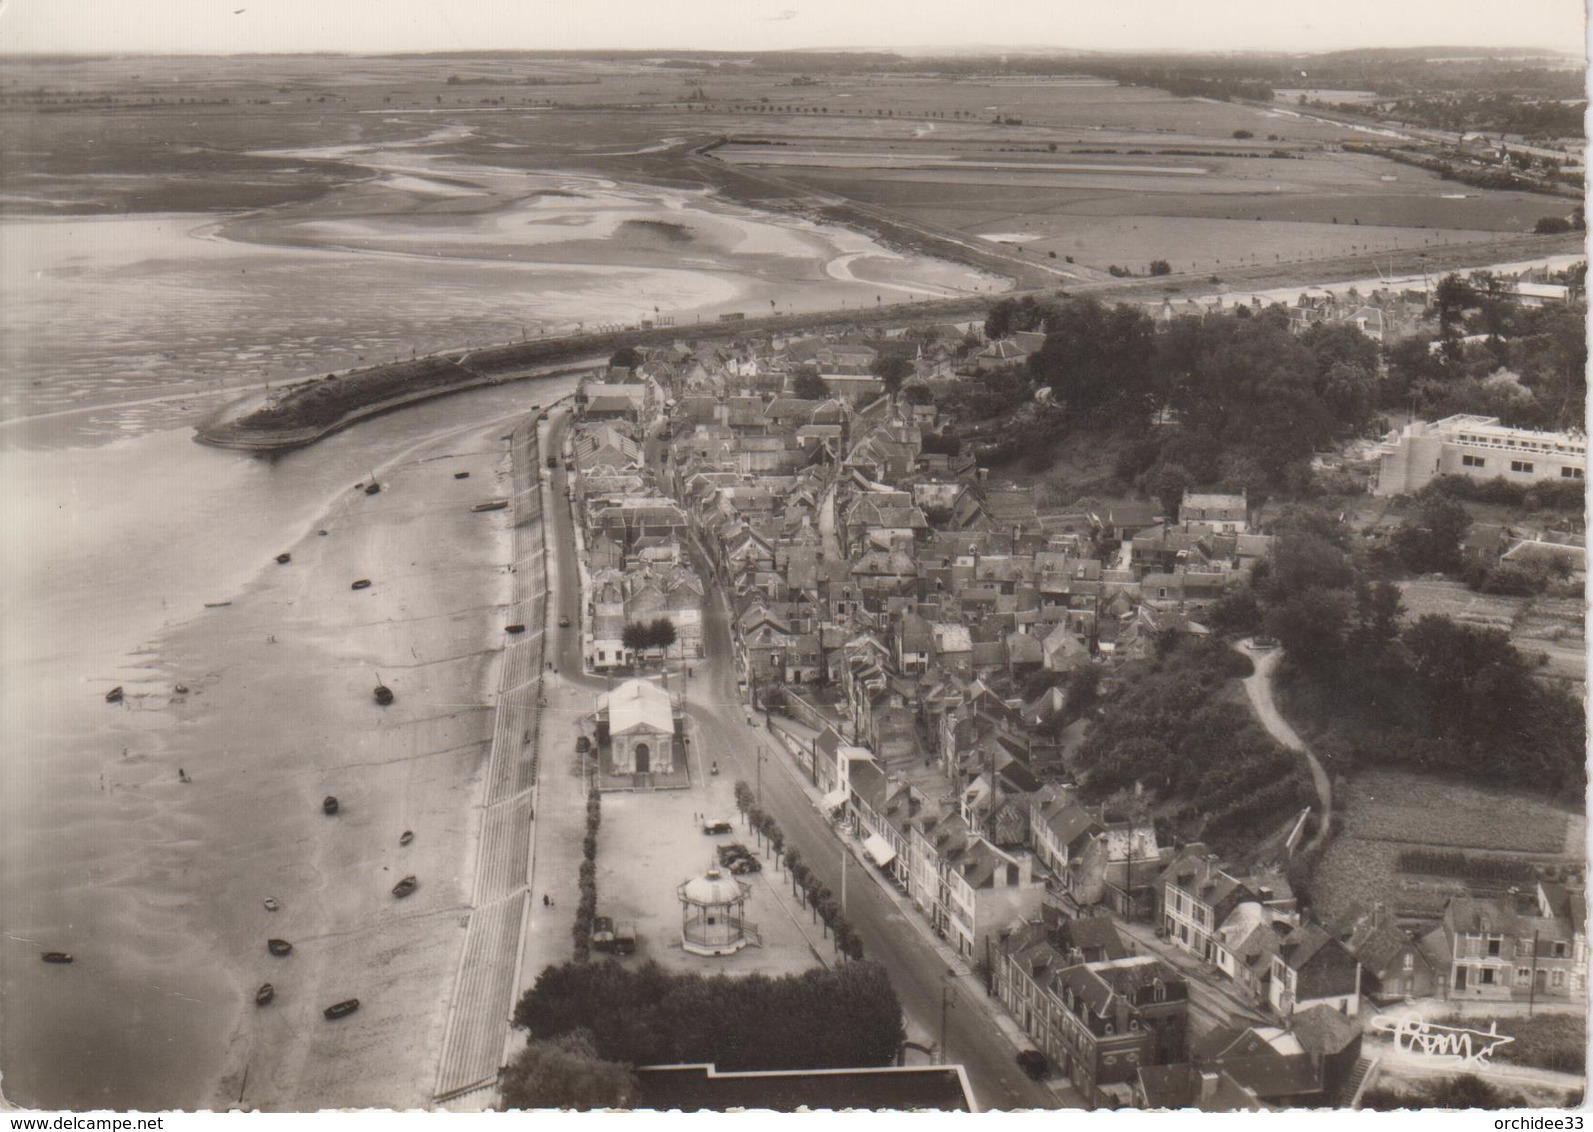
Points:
(230, 26)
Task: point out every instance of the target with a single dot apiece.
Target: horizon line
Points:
(970, 51)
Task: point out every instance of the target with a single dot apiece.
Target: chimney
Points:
(1208, 1088)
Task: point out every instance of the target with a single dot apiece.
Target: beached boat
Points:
(114, 696)
(181, 689)
(278, 947)
(265, 994)
(329, 805)
(461, 475)
(342, 1009)
(406, 837)
(217, 604)
(372, 488)
(361, 584)
(271, 904)
(515, 628)
(491, 505)
(405, 887)
(56, 957)
(284, 559)
(384, 694)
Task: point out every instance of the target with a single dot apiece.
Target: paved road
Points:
(1258, 687)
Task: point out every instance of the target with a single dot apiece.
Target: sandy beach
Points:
(157, 885)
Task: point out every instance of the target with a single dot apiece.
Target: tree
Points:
(1311, 626)
(805, 383)
(565, 1072)
(1160, 267)
(1098, 357)
(892, 369)
(1429, 541)
(626, 357)
(661, 634)
(1166, 483)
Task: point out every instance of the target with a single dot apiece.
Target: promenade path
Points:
(485, 983)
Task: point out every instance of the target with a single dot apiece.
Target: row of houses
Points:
(637, 568)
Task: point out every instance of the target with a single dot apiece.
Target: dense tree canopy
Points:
(1435, 694)
(1097, 357)
(819, 1019)
(807, 383)
(565, 1072)
(1175, 733)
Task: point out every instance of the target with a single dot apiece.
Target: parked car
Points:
(712, 826)
(624, 938)
(744, 865)
(1034, 1063)
(582, 745)
(564, 622)
(602, 933)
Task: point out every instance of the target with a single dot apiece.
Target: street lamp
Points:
(947, 1002)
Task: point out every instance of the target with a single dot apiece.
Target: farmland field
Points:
(1388, 812)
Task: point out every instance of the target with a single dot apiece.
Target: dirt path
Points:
(1258, 688)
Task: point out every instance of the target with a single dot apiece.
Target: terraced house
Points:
(1519, 947)
(1117, 1016)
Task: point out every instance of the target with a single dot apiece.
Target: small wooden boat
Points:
(217, 604)
(329, 805)
(265, 994)
(461, 475)
(278, 947)
(515, 628)
(361, 584)
(405, 887)
(372, 488)
(271, 904)
(406, 837)
(114, 696)
(384, 694)
(181, 689)
(56, 957)
(491, 505)
(320, 533)
(341, 1009)
(284, 559)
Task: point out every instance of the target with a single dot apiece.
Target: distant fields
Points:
(1009, 174)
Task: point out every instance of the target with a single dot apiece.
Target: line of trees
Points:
(586, 908)
(805, 885)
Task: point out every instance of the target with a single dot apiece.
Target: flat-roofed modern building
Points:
(1478, 448)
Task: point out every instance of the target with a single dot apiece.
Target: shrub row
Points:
(586, 908)
(1432, 862)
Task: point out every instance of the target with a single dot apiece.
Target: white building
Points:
(1479, 448)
